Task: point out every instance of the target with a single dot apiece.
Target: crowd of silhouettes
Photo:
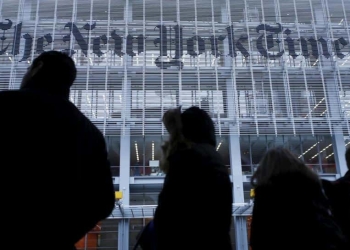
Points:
(57, 182)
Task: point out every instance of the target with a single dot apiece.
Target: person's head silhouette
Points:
(51, 71)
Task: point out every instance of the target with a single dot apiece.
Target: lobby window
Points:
(144, 198)
(145, 155)
(315, 151)
(345, 102)
(223, 148)
(113, 149)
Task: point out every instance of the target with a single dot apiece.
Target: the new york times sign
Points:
(267, 40)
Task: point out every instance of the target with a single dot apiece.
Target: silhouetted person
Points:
(338, 193)
(195, 205)
(55, 177)
(290, 209)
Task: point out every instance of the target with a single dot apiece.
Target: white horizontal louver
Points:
(244, 94)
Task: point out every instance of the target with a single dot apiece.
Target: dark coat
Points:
(56, 181)
(338, 193)
(195, 205)
(292, 213)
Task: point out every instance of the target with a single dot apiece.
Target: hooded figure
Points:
(196, 198)
(57, 182)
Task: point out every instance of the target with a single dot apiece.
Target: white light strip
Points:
(152, 150)
(218, 147)
(315, 107)
(313, 157)
(329, 155)
(137, 152)
(308, 150)
(323, 112)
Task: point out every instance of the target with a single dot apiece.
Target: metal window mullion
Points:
(337, 76)
(13, 62)
(286, 82)
(216, 63)
(269, 72)
(178, 19)
(304, 73)
(35, 27)
(320, 67)
(96, 103)
(74, 15)
(251, 68)
(319, 155)
(233, 74)
(346, 20)
(107, 106)
(89, 46)
(54, 25)
(329, 42)
(1, 4)
(144, 69)
(198, 71)
(161, 70)
(108, 37)
(125, 62)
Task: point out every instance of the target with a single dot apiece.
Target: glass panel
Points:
(326, 155)
(145, 156)
(144, 198)
(135, 226)
(153, 154)
(223, 147)
(246, 157)
(137, 159)
(108, 236)
(293, 143)
(310, 149)
(259, 148)
(113, 149)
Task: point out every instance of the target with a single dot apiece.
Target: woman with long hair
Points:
(195, 205)
(290, 209)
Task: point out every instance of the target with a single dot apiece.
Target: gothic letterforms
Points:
(190, 46)
(4, 27)
(195, 45)
(178, 42)
(304, 49)
(337, 43)
(78, 37)
(240, 46)
(27, 47)
(290, 43)
(162, 40)
(231, 41)
(140, 44)
(16, 39)
(214, 41)
(40, 43)
(163, 61)
(118, 43)
(96, 48)
(129, 46)
(267, 40)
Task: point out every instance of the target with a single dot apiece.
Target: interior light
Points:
(137, 152)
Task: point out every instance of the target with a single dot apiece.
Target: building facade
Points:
(270, 73)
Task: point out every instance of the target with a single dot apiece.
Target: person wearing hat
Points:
(56, 179)
(195, 205)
